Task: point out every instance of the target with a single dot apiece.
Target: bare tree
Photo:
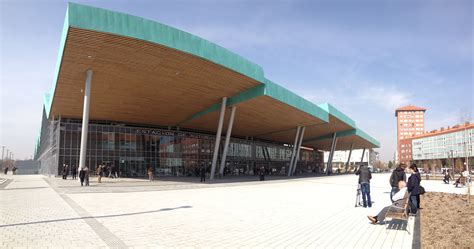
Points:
(465, 118)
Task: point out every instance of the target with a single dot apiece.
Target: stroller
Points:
(358, 202)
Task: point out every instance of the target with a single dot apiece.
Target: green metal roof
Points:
(333, 111)
(358, 132)
(275, 91)
(101, 20)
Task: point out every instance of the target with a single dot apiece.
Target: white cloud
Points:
(388, 97)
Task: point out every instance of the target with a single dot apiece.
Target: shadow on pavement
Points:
(94, 217)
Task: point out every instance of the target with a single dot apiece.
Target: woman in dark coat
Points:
(413, 186)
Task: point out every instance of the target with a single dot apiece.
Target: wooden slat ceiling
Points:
(259, 116)
(269, 119)
(343, 143)
(313, 131)
(139, 82)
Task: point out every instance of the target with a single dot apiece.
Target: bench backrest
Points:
(395, 211)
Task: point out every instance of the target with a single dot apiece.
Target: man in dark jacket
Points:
(397, 175)
(364, 180)
(202, 173)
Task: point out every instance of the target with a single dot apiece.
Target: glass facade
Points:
(133, 149)
(449, 145)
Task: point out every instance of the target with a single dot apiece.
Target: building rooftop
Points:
(409, 108)
(443, 130)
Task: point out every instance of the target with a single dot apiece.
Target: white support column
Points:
(294, 150)
(227, 140)
(85, 120)
(218, 137)
(362, 157)
(349, 158)
(331, 154)
(298, 150)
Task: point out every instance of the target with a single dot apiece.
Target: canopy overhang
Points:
(148, 73)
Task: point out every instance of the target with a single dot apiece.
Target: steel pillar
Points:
(294, 150)
(331, 154)
(362, 157)
(85, 120)
(218, 137)
(298, 150)
(349, 158)
(227, 140)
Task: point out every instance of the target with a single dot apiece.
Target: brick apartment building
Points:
(410, 122)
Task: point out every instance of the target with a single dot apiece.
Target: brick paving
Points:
(40, 212)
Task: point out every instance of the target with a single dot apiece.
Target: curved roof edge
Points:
(337, 114)
(101, 20)
(48, 101)
(358, 132)
(276, 92)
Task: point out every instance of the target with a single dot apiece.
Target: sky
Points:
(365, 57)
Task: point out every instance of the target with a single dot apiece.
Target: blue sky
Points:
(365, 57)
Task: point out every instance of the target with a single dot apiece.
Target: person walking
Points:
(413, 187)
(14, 170)
(82, 176)
(63, 171)
(150, 173)
(99, 173)
(6, 170)
(74, 172)
(202, 172)
(109, 170)
(86, 176)
(364, 180)
(398, 175)
(262, 173)
(447, 177)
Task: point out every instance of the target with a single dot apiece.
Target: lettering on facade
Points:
(155, 132)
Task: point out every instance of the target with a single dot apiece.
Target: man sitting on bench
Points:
(397, 201)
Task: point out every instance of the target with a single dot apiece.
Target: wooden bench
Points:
(400, 211)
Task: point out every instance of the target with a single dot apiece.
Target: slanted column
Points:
(349, 158)
(362, 157)
(85, 120)
(331, 154)
(294, 150)
(227, 140)
(298, 150)
(218, 137)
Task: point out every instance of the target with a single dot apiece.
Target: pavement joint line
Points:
(103, 232)
(5, 183)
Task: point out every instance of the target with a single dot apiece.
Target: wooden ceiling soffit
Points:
(359, 137)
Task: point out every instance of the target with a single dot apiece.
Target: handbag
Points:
(422, 190)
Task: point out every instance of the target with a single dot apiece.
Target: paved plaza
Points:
(38, 212)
